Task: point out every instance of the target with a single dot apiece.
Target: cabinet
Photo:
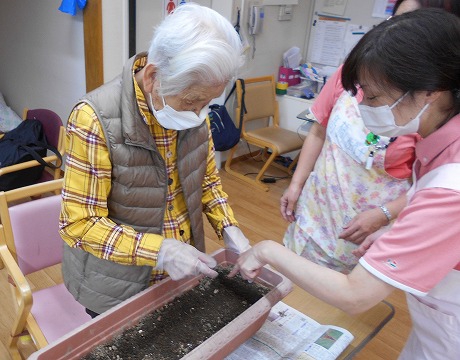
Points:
(289, 108)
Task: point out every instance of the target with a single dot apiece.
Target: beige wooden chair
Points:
(30, 242)
(261, 103)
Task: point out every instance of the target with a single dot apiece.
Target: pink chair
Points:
(55, 135)
(29, 242)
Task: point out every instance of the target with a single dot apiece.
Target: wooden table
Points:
(363, 326)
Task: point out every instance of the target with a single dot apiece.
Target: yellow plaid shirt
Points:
(84, 218)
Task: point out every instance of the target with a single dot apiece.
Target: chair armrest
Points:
(22, 291)
(26, 165)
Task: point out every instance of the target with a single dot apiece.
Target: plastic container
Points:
(311, 85)
(281, 88)
(307, 89)
(111, 323)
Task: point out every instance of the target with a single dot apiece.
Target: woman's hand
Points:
(288, 202)
(363, 247)
(311, 149)
(250, 263)
(368, 241)
(363, 225)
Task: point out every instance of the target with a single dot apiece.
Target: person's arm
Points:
(321, 110)
(84, 218)
(426, 229)
(311, 149)
(399, 159)
(353, 293)
(368, 241)
(368, 222)
(217, 209)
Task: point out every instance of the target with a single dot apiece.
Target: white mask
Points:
(177, 120)
(381, 121)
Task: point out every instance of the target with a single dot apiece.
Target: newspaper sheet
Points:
(290, 334)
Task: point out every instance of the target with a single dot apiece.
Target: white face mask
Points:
(381, 121)
(177, 120)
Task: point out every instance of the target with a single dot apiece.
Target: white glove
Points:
(235, 240)
(181, 260)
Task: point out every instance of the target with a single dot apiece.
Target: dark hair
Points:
(452, 6)
(415, 51)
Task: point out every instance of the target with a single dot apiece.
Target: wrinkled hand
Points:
(363, 225)
(180, 260)
(248, 264)
(235, 240)
(288, 202)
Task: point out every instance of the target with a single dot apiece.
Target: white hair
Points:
(194, 45)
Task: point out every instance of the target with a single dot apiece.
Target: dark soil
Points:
(178, 327)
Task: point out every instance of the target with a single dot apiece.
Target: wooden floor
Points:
(258, 214)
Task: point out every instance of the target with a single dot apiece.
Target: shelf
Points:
(280, 2)
(295, 98)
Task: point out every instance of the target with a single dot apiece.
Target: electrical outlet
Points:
(285, 13)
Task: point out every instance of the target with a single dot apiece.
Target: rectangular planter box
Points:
(103, 328)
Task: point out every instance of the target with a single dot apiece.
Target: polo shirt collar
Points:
(431, 146)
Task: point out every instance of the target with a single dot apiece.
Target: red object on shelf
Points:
(291, 76)
(103, 328)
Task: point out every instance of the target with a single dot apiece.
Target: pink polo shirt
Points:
(399, 156)
(424, 243)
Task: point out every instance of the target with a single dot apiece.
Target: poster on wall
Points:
(335, 7)
(383, 8)
(353, 34)
(170, 5)
(328, 39)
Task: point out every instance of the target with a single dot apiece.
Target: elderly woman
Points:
(409, 71)
(140, 165)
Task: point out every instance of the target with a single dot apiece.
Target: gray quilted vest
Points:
(138, 195)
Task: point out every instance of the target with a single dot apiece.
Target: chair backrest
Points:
(31, 227)
(35, 227)
(260, 99)
(55, 134)
(52, 124)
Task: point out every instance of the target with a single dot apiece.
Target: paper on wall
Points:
(336, 7)
(328, 40)
(353, 34)
(383, 8)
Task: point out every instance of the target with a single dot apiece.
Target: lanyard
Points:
(373, 142)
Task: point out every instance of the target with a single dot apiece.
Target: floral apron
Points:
(339, 188)
(435, 317)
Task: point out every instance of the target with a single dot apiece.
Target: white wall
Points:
(358, 12)
(149, 13)
(115, 32)
(42, 56)
(275, 38)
